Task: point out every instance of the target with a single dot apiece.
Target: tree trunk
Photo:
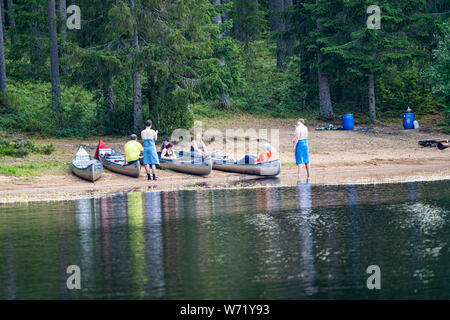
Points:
(54, 60)
(3, 21)
(372, 110)
(12, 21)
(108, 97)
(63, 16)
(2, 57)
(224, 99)
(137, 88)
(275, 14)
(151, 96)
(63, 31)
(276, 23)
(225, 18)
(325, 106)
(217, 17)
(35, 50)
(289, 36)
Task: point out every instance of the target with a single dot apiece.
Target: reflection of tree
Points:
(7, 266)
(414, 235)
(171, 244)
(154, 244)
(106, 227)
(136, 242)
(357, 270)
(85, 220)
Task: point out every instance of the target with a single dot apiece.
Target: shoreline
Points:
(65, 188)
(382, 153)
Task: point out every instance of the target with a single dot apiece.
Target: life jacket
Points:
(260, 158)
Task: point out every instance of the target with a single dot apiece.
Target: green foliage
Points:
(28, 169)
(439, 74)
(21, 148)
(395, 94)
(29, 110)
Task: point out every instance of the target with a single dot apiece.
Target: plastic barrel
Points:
(408, 120)
(347, 121)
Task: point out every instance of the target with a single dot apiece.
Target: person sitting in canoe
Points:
(167, 152)
(198, 146)
(166, 141)
(132, 150)
(265, 155)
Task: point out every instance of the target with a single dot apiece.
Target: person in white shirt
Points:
(301, 149)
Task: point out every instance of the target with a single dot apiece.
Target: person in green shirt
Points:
(133, 150)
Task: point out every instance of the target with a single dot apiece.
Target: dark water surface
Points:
(265, 243)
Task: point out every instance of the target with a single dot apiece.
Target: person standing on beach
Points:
(301, 148)
(150, 156)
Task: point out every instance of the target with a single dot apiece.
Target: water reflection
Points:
(357, 270)
(154, 243)
(306, 238)
(253, 243)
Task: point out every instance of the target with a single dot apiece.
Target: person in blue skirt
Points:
(301, 148)
(150, 156)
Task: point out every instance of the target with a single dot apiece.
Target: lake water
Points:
(303, 242)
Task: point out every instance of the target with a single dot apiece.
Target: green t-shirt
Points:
(132, 150)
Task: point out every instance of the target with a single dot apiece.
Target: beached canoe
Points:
(186, 163)
(86, 166)
(269, 168)
(115, 161)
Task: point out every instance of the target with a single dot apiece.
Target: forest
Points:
(95, 67)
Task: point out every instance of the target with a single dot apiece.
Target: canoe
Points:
(268, 168)
(115, 161)
(86, 166)
(186, 163)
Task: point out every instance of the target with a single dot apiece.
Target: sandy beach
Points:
(370, 154)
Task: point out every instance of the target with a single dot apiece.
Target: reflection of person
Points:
(167, 152)
(132, 150)
(198, 145)
(301, 148)
(150, 156)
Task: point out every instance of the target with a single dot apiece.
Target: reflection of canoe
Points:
(186, 163)
(269, 168)
(86, 166)
(115, 161)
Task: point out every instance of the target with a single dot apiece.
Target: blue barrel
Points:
(347, 121)
(408, 120)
